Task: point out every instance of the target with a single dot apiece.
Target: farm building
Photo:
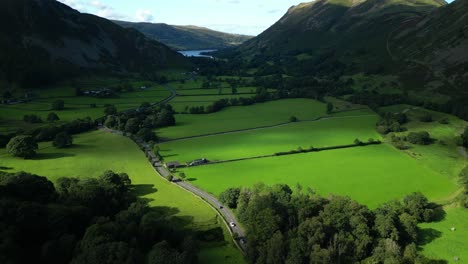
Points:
(198, 162)
(172, 165)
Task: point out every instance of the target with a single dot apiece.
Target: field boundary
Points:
(295, 152)
(325, 117)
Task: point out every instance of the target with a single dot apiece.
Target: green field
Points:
(272, 140)
(11, 116)
(241, 117)
(182, 103)
(371, 175)
(444, 155)
(221, 91)
(96, 152)
(444, 243)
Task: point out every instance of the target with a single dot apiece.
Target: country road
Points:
(226, 214)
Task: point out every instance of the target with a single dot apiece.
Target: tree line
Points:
(141, 121)
(91, 220)
(286, 226)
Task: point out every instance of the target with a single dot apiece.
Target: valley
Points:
(299, 145)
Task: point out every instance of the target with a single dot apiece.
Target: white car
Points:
(232, 224)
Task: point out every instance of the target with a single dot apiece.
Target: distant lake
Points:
(195, 53)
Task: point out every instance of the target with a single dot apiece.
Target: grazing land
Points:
(371, 175)
(98, 151)
(242, 117)
(445, 243)
(269, 141)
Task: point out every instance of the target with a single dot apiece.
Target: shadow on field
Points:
(144, 189)
(82, 146)
(427, 235)
(50, 156)
(191, 179)
(5, 168)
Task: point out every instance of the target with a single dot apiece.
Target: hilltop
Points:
(187, 37)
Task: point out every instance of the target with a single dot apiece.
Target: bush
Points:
(52, 117)
(293, 119)
(22, 146)
(33, 119)
(62, 140)
(420, 138)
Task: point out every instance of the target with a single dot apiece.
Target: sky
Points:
(249, 17)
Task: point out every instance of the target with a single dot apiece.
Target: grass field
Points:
(241, 117)
(271, 140)
(372, 175)
(11, 116)
(444, 243)
(96, 152)
(444, 155)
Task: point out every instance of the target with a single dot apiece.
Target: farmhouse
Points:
(172, 165)
(198, 162)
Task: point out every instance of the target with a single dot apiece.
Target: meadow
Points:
(329, 132)
(444, 156)
(371, 175)
(11, 116)
(439, 242)
(241, 117)
(96, 152)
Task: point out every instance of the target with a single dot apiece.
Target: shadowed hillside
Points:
(42, 41)
(187, 37)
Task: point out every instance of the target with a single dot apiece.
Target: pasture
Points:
(333, 131)
(439, 242)
(11, 116)
(444, 156)
(371, 175)
(95, 152)
(242, 117)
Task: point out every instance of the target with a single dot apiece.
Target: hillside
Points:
(187, 37)
(439, 41)
(45, 40)
(413, 48)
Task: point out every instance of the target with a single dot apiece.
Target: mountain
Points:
(416, 47)
(347, 28)
(45, 40)
(187, 37)
(438, 42)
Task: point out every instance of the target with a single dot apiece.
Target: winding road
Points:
(226, 214)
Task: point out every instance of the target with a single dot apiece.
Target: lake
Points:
(195, 53)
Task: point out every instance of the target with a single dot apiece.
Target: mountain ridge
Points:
(187, 37)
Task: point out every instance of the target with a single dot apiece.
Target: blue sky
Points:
(235, 16)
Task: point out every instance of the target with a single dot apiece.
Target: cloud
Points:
(144, 15)
(95, 7)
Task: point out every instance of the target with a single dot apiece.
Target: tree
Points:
(58, 105)
(420, 138)
(62, 140)
(293, 119)
(230, 197)
(464, 137)
(182, 176)
(110, 110)
(22, 146)
(52, 117)
(330, 108)
(146, 134)
(132, 125)
(111, 121)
